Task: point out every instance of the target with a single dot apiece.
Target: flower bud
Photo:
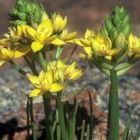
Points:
(117, 22)
(26, 12)
(120, 41)
(59, 23)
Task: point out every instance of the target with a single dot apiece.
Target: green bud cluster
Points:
(117, 26)
(26, 12)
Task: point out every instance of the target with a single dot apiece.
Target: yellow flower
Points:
(67, 37)
(133, 45)
(72, 73)
(44, 17)
(14, 34)
(102, 46)
(86, 42)
(58, 68)
(63, 71)
(10, 53)
(45, 82)
(53, 80)
(43, 34)
(58, 23)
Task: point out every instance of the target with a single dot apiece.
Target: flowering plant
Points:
(114, 50)
(33, 34)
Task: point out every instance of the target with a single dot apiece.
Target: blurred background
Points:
(81, 13)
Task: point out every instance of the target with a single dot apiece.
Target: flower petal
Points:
(32, 78)
(21, 51)
(75, 75)
(29, 31)
(37, 46)
(56, 87)
(57, 42)
(45, 27)
(1, 62)
(35, 92)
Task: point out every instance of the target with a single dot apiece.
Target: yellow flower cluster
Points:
(97, 45)
(53, 80)
(101, 45)
(86, 42)
(49, 31)
(10, 47)
(22, 39)
(133, 46)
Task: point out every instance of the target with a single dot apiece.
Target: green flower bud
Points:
(26, 12)
(116, 23)
(120, 41)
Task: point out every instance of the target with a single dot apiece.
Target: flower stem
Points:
(18, 68)
(28, 117)
(42, 61)
(31, 64)
(48, 118)
(113, 114)
(34, 134)
(61, 117)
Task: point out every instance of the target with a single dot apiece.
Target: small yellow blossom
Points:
(86, 42)
(43, 34)
(63, 71)
(45, 82)
(58, 23)
(44, 17)
(10, 53)
(98, 45)
(53, 80)
(133, 45)
(58, 68)
(72, 73)
(67, 37)
(102, 46)
(13, 36)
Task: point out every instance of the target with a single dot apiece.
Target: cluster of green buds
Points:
(26, 12)
(117, 23)
(117, 27)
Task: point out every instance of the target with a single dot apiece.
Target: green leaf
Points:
(58, 52)
(127, 129)
(83, 130)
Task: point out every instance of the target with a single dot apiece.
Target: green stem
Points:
(28, 117)
(48, 118)
(31, 65)
(61, 117)
(33, 125)
(29, 104)
(58, 52)
(34, 134)
(42, 61)
(18, 68)
(82, 130)
(113, 115)
(91, 118)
